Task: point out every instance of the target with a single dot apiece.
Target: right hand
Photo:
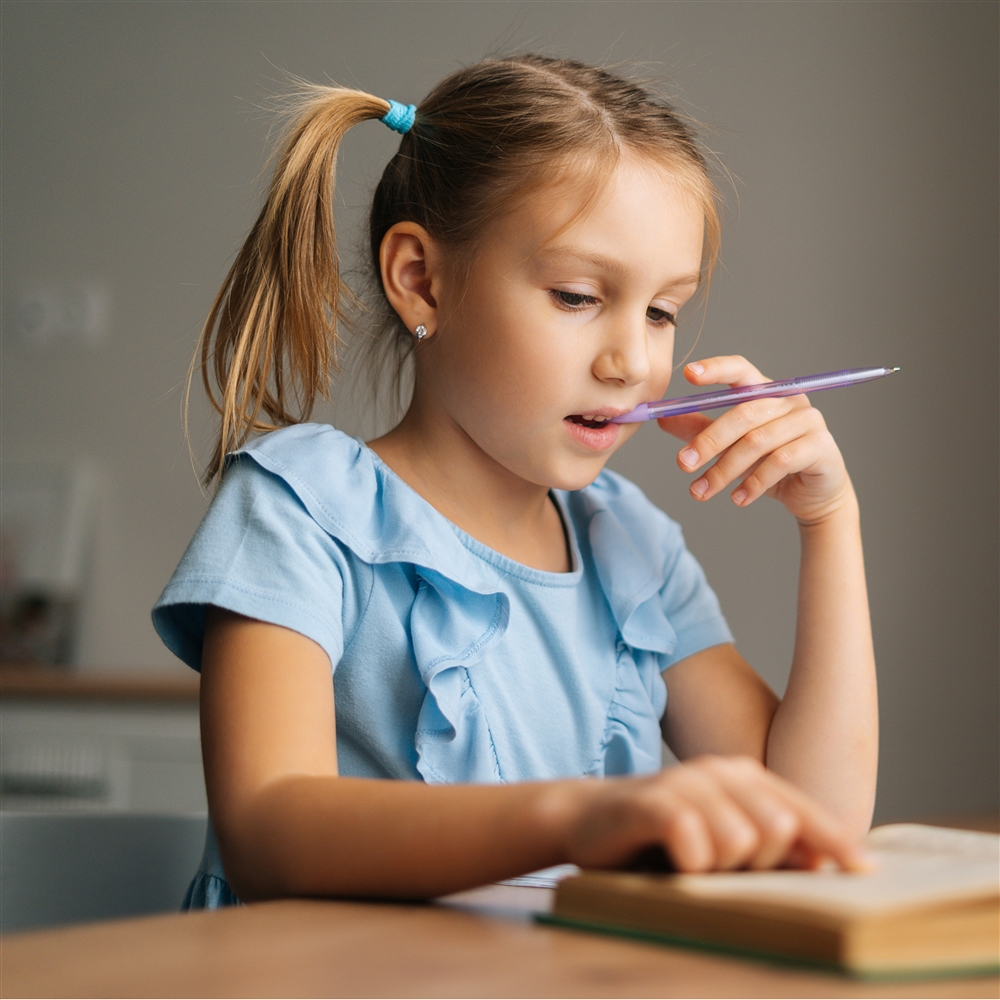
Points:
(710, 813)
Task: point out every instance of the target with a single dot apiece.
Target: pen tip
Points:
(889, 371)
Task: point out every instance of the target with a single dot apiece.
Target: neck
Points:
(437, 459)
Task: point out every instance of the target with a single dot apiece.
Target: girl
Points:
(500, 617)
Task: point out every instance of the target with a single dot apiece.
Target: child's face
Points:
(558, 322)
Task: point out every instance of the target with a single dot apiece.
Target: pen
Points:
(730, 397)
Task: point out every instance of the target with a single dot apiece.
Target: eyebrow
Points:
(609, 264)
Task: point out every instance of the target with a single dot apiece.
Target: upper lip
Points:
(602, 411)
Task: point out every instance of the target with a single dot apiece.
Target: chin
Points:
(575, 475)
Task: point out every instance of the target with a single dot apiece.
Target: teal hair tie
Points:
(400, 117)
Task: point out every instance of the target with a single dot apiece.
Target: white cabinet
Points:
(136, 756)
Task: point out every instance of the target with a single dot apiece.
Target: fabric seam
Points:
(252, 592)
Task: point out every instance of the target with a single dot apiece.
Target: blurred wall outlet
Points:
(51, 313)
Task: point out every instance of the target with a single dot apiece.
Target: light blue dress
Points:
(451, 663)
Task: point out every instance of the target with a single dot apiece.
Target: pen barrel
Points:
(764, 390)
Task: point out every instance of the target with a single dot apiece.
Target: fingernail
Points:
(699, 487)
(739, 495)
(689, 456)
(697, 369)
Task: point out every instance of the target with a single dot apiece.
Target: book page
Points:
(546, 878)
(916, 865)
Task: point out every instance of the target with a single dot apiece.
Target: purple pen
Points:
(765, 390)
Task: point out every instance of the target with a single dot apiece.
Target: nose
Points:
(624, 355)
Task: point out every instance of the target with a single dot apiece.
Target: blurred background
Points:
(860, 230)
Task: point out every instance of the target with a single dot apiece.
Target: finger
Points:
(686, 838)
(731, 369)
(775, 822)
(802, 857)
(755, 447)
(794, 457)
(756, 788)
(681, 829)
(735, 836)
(724, 432)
(686, 426)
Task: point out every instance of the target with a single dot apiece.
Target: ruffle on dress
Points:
(209, 889)
(461, 611)
(209, 892)
(625, 547)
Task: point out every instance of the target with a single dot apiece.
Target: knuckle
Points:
(707, 761)
(686, 780)
(705, 445)
(782, 825)
(756, 438)
(660, 802)
(815, 418)
(647, 796)
(683, 821)
(782, 459)
(745, 765)
(726, 768)
(740, 841)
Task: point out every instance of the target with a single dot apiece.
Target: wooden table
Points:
(481, 943)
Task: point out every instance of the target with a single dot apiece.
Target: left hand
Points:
(780, 447)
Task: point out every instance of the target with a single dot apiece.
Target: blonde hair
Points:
(485, 136)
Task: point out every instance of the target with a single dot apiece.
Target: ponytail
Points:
(270, 343)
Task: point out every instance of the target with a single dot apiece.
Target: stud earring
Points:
(420, 332)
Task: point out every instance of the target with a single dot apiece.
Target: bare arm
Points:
(717, 703)
(287, 824)
(823, 735)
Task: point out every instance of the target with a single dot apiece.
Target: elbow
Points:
(256, 841)
(251, 865)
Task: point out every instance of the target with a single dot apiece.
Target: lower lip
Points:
(594, 438)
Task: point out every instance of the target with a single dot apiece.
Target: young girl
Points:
(416, 651)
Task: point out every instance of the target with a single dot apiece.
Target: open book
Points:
(932, 907)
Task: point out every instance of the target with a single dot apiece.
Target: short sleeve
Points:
(259, 553)
(691, 606)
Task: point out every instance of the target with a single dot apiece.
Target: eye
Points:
(572, 300)
(660, 317)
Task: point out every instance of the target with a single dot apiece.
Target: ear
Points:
(412, 274)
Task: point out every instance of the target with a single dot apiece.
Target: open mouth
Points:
(588, 420)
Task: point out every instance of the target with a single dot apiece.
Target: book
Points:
(932, 907)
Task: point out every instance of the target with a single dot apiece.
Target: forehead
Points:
(641, 218)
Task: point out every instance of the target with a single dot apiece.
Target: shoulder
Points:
(350, 494)
(306, 457)
(656, 589)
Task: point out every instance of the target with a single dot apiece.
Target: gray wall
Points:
(861, 231)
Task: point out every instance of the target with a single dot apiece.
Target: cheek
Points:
(518, 358)
(663, 360)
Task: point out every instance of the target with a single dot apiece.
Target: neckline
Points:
(510, 567)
